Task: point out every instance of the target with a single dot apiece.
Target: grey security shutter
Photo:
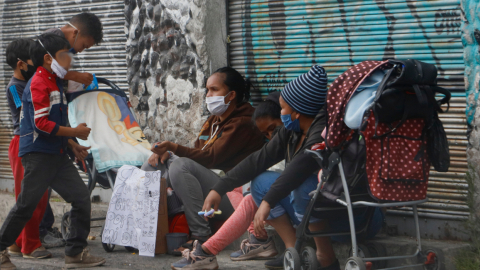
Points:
(273, 42)
(27, 19)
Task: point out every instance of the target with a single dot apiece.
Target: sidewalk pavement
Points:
(121, 259)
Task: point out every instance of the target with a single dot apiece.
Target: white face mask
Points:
(216, 105)
(57, 69)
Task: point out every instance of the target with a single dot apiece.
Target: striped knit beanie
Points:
(306, 94)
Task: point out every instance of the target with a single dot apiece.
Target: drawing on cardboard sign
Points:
(133, 211)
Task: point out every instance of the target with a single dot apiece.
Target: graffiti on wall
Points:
(279, 40)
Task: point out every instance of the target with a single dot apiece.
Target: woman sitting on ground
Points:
(301, 102)
(267, 119)
(227, 137)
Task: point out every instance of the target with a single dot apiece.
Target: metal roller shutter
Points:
(273, 42)
(26, 19)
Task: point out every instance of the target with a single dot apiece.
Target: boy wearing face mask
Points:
(44, 138)
(28, 242)
(83, 31)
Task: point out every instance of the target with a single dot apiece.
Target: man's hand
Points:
(213, 198)
(161, 148)
(260, 219)
(80, 151)
(82, 131)
(153, 160)
(85, 78)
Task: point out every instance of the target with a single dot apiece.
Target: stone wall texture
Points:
(166, 56)
(471, 41)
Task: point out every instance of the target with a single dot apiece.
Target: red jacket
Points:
(44, 110)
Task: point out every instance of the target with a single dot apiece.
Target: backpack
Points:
(407, 92)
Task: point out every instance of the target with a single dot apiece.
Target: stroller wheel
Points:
(362, 252)
(377, 250)
(65, 226)
(433, 260)
(131, 249)
(309, 259)
(106, 247)
(355, 263)
(292, 260)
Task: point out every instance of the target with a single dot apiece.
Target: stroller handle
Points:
(112, 85)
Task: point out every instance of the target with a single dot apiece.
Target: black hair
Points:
(52, 42)
(89, 25)
(235, 82)
(18, 48)
(268, 108)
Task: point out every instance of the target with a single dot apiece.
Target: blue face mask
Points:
(72, 50)
(289, 124)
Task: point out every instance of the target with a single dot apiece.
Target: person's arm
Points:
(43, 126)
(233, 140)
(81, 131)
(15, 93)
(298, 170)
(80, 77)
(80, 152)
(253, 165)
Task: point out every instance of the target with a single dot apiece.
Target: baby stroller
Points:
(368, 173)
(105, 179)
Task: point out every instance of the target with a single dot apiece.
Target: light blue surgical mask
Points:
(289, 124)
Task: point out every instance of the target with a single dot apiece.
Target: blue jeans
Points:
(294, 204)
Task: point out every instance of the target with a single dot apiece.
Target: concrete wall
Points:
(471, 41)
(172, 47)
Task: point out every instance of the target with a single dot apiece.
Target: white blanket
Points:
(133, 211)
(116, 139)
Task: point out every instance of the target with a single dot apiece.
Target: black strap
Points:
(380, 89)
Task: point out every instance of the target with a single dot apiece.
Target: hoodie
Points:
(298, 164)
(223, 144)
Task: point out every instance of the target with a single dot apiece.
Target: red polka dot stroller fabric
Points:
(397, 164)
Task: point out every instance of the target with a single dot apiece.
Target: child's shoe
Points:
(15, 251)
(253, 248)
(196, 259)
(83, 260)
(39, 253)
(5, 263)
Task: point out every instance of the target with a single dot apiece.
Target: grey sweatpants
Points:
(192, 182)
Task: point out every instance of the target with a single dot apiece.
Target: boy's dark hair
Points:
(18, 48)
(53, 43)
(268, 108)
(89, 25)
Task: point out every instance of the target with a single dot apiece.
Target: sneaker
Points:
(39, 253)
(49, 241)
(253, 248)
(15, 251)
(55, 232)
(196, 259)
(83, 260)
(276, 263)
(5, 263)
